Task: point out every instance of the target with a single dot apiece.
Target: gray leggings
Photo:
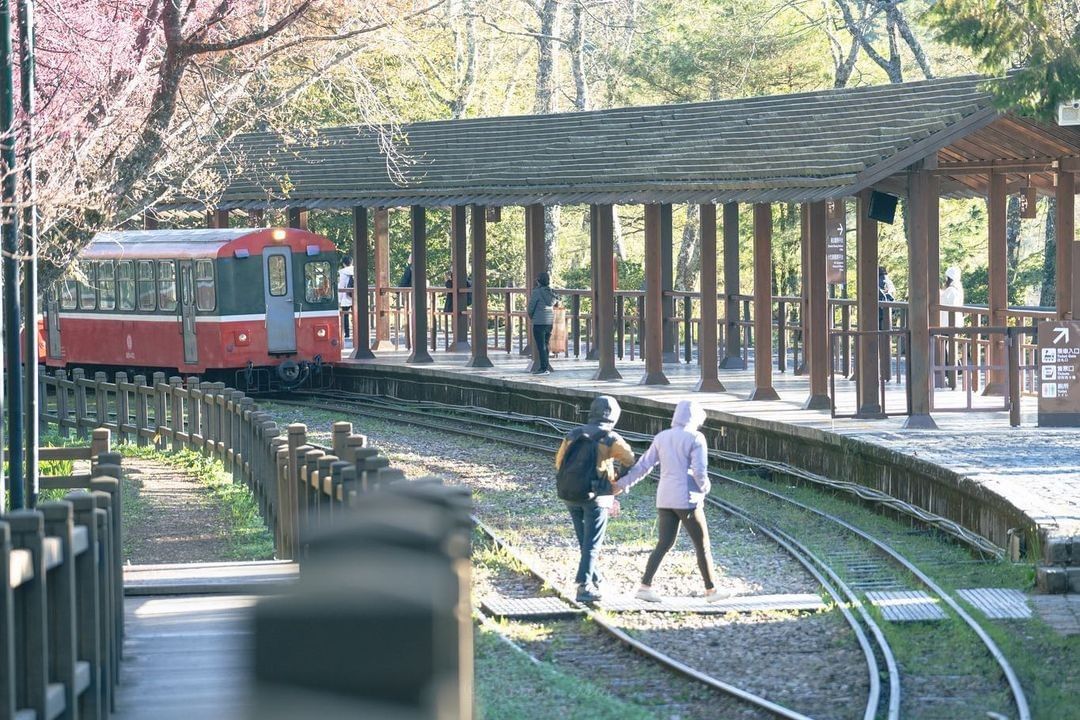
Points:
(667, 521)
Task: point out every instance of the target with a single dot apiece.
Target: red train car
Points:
(199, 300)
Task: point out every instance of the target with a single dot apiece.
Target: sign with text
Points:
(1059, 373)
(835, 243)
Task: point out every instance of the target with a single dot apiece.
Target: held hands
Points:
(615, 489)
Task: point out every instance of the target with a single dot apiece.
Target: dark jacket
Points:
(541, 308)
(406, 277)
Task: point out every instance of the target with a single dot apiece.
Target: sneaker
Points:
(587, 594)
(648, 595)
(717, 595)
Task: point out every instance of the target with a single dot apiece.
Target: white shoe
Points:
(647, 594)
(717, 595)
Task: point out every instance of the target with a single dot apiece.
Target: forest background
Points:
(154, 92)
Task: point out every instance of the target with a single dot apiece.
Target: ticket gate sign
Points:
(1059, 373)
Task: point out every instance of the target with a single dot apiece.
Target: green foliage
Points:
(1038, 41)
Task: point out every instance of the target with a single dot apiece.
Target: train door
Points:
(187, 312)
(52, 323)
(279, 292)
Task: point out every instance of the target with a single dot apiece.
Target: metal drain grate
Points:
(748, 603)
(532, 608)
(998, 603)
(906, 606)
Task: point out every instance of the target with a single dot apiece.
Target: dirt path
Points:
(169, 517)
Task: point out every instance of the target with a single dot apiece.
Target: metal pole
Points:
(30, 289)
(10, 231)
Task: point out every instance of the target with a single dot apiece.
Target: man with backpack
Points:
(586, 468)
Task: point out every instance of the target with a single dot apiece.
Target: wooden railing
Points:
(61, 601)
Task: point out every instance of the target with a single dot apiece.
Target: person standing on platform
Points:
(345, 293)
(886, 293)
(680, 495)
(541, 312)
(403, 301)
(596, 455)
(952, 295)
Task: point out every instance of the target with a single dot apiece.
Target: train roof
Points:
(197, 242)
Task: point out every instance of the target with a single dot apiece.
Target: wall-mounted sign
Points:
(835, 242)
(1059, 373)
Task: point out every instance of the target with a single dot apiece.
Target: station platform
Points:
(1036, 470)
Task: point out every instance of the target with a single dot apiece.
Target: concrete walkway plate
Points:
(998, 603)
(747, 603)
(906, 606)
(229, 578)
(531, 608)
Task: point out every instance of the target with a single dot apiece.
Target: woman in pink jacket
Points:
(680, 494)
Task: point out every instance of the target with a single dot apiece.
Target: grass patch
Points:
(248, 538)
(509, 686)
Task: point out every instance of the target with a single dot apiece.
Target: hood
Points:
(547, 293)
(953, 274)
(688, 414)
(604, 411)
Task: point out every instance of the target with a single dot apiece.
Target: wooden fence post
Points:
(62, 649)
(194, 413)
(339, 435)
(176, 416)
(141, 414)
(101, 400)
(122, 406)
(62, 403)
(31, 614)
(89, 608)
(81, 422)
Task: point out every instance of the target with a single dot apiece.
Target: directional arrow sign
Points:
(1061, 334)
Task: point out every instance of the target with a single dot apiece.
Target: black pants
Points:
(667, 521)
(346, 312)
(542, 338)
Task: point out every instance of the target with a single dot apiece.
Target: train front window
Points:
(204, 284)
(145, 281)
(279, 281)
(317, 285)
(125, 285)
(106, 285)
(166, 285)
(69, 294)
(87, 291)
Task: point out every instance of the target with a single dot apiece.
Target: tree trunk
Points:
(547, 63)
(1048, 291)
(689, 251)
(577, 59)
(1012, 241)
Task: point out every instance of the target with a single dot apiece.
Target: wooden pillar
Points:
(802, 367)
(733, 359)
(256, 218)
(534, 264)
(667, 286)
(866, 361)
(817, 319)
(933, 248)
(459, 325)
(480, 299)
(1065, 195)
(360, 310)
(998, 295)
(707, 350)
(763, 388)
(298, 218)
(918, 352)
(594, 273)
(381, 257)
(217, 218)
(605, 291)
(419, 352)
(150, 221)
(654, 305)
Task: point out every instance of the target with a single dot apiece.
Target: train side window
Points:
(87, 291)
(125, 285)
(204, 285)
(317, 285)
(166, 285)
(145, 281)
(106, 285)
(69, 294)
(279, 282)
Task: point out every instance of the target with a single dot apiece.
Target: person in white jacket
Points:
(680, 494)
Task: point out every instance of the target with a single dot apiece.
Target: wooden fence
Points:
(61, 607)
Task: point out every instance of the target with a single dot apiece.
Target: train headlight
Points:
(321, 332)
(242, 338)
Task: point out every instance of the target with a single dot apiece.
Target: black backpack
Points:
(577, 479)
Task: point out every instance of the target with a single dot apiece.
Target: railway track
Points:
(846, 561)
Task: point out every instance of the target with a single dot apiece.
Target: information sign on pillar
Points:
(1059, 373)
(836, 243)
